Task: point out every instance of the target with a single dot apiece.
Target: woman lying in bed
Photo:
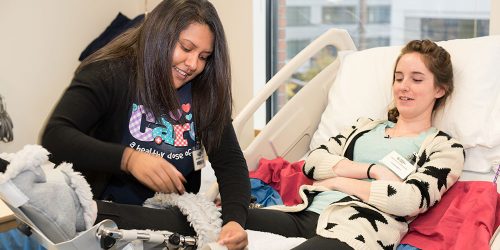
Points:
(377, 176)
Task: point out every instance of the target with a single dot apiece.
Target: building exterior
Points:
(371, 23)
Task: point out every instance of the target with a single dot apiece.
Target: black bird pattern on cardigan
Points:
(379, 222)
(370, 215)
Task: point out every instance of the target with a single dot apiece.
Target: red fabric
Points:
(284, 177)
(465, 218)
(497, 216)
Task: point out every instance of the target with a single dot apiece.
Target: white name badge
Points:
(398, 164)
(198, 157)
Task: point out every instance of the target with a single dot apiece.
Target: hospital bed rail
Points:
(288, 134)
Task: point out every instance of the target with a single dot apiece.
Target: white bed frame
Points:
(289, 133)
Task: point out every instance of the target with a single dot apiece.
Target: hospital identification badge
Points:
(398, 164)
(198, 157)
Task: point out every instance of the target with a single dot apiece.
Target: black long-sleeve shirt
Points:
(87, 126)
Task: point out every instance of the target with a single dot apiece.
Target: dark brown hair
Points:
(438, 61)
(150, 47)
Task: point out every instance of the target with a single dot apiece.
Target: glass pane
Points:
(339, 15)
(298, 16)
(304, 74)
(445, 29)
(379, 14)
(371, 23)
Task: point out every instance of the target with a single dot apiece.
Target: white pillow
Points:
(472, 114)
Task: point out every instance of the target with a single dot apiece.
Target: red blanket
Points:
(465, 218)
(284, 177)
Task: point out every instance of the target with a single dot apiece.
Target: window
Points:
(339, 15)
(304, 74)
(372, 42)
(446, 29)
(298, 16)
(379, 14)
(370, 23)
(293, 47)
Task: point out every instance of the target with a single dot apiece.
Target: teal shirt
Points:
(370, 148)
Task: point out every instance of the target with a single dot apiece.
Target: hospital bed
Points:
(358, 84)
(355, 84)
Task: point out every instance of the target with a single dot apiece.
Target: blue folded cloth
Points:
(407, 247)
(265, 194)
(13, 239)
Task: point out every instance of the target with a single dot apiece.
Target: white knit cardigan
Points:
(381, 222)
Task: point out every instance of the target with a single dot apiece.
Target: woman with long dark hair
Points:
(141, 107)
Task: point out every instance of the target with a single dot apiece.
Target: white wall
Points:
(41, 42)
(39, 48)
(236, 16)
(495, 18)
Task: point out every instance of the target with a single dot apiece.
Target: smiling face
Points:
(414, 89)
(191, 52)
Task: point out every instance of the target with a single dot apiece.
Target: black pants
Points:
(138, 217)
(299, 224)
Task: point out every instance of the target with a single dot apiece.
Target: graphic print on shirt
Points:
(143, 127)
(172, 136)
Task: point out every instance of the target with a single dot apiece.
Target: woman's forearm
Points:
(350, 186)
(358, 170)
(351, 169)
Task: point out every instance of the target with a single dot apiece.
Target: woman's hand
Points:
(154, 172)
(233, 236)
